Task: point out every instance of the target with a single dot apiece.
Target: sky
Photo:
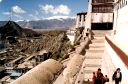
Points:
(40, 9)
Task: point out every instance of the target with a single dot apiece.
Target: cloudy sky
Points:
(40, 9)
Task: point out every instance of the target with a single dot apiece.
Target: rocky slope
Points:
(55, 42)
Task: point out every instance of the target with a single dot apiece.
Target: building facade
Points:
(80, 19)
(100, 15)
(116, 49)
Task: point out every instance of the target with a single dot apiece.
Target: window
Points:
(84, 17)
(80, 18)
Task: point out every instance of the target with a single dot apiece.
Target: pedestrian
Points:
(117, 76)
(93, 78)
(99, 77)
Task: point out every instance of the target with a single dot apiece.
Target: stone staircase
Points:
(93, 56)
(93, 59)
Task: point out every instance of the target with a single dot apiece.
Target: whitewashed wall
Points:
(88, 17)
(111, 62)
(121, 27)
(80, 23)
(102, 17)
(71, 38)
(77, 21)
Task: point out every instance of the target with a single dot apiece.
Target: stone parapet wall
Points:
(73, 64)
(83, 45)
(43, 73)
(73, 67)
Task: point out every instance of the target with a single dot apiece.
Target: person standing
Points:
(93, 78)
(117, 76)
(99, 77)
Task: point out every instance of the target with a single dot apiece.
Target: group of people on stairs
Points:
(99, 78)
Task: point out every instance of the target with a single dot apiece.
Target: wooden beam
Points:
(102, 3)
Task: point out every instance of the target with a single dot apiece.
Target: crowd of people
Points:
(99, 78)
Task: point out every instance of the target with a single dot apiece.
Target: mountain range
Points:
(48, 23)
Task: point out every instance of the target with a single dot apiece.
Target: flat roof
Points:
(82, 13)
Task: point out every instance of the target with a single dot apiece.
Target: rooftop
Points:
(82, 13)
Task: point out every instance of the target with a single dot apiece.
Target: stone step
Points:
(93, 57)
(90, 54)
(101, 31)
(86, 79)
(96, 44)
(87, 82)
(92, 65)
(88, 76)
(99, 35)
(97, 41)
(99, 38)
(90, 69)
(94, 51)
(97, 56)
(96, 48)
(93, 61)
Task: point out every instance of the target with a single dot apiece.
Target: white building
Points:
(100, 15)
(116, 44)
(80, 19)
(111, 15)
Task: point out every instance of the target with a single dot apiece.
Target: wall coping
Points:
(118, 51)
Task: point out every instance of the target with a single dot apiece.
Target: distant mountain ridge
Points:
(12, 29)
(48, 23)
